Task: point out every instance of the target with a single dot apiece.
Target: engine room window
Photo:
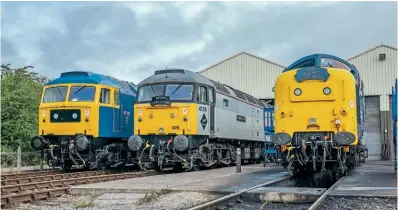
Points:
(203, 94)
(55, 94)
(180, 92)
(116, 97)
(105, 96)
(211, 95)
(82, 93)
(327, 62)
(225, 102)
(146, 93)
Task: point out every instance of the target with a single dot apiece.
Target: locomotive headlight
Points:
(161, 130)
(327, 90)
(297, 91)
(55, 116)
(172, 115)
(74, 115)
(312, 120)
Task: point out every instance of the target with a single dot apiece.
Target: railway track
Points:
(7, 176)
(318, 203)
(231, 198)
(40, 186)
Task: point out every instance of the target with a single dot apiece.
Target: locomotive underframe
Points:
(316, 151)
(101, 153)
(202, 152)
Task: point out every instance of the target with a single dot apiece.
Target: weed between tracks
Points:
(84, 202)
(152, 195)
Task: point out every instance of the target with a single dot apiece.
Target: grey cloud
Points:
(113, 39)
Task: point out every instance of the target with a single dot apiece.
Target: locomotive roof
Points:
(86, 77)
(318, 57)
(175, 75)
(181, 75)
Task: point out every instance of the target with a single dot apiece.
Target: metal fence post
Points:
(41, 159)
(19, 159)
(238, 160)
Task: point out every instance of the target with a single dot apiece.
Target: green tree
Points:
(20, 99)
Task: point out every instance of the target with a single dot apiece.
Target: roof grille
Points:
(168, 71)
(74, 73)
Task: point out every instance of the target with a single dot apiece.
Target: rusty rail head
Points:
(19, 188)
(28, 174)
(49, 177)
(48, 189)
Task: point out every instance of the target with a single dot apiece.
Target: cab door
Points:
(116, 111)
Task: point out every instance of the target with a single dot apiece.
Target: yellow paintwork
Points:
(292, 113)
(72, 128)
(162, 118)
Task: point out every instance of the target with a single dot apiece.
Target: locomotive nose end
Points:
(38, 143)
(281, 138)
(134, 143)
(344, 138)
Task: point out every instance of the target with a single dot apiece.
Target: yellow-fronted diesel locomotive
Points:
(183, 120)
(320, 115)
(85, 119)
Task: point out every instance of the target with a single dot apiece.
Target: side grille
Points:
(65, 115)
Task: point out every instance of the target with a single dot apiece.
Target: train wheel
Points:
(177, 167)
(66, 166)
(156, 167)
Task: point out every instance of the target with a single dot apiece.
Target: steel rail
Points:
(50, 177)
(28, 174)
(13, 194)
(322, 198)
(214, 204)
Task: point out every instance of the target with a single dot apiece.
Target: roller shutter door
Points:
(373, 135)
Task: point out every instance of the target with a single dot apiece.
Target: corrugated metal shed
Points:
(246, 72)
(378, 76)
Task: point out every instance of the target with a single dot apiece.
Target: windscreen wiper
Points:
(81, 88)
(176, 89)
(59, 90)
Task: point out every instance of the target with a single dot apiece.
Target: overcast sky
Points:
(129, 40)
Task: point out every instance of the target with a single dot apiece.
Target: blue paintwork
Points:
(117, 128)
(312, 73)
(318, 57)
(395, 120)
(269, 120)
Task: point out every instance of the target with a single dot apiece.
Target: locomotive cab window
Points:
(202, 94)
(116, 97)
(211, 100)
(179, 92)
(105, 96)
(306, 63)
(327, 62)
(55, 94)
(82, 93)
(146, 93)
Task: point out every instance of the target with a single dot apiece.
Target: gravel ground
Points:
(360, 203)
(249, 205)
(123, 201)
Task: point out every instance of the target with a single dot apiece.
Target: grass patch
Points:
(83, 203)
(152, 195)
